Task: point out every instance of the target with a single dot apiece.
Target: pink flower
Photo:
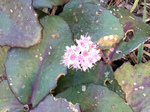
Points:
(80, 58)
(72, 57)
(83, 55)
(90, 60)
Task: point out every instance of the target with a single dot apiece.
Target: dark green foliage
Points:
(39, 66)
(35, 70)
(19, 26)
(96, 22)
(7, 99)
(95, 98)
(48, 3)
(51, 104)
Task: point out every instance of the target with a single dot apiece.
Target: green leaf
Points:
(134, 5)
(144, 12)
(34, 71)
(19, 26)
(140, 53)
(74, 77)
(40, 13)
(8, 101)
(51, 104)
(96, 22)
(72, 3)
(135, 81)
(48, 3)
(117, 89)
(81, 77)
(95, 98)
(141, 31)
(3, 57)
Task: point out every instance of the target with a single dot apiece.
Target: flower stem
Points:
(102, 54)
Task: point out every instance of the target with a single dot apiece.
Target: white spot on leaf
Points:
(83, 88)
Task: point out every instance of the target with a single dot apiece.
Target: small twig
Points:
(54, 10)
(147, 53)
(148, 19)
(147, 45)
(144, 59)
(133, 57)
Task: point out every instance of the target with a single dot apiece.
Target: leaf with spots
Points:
(74, 77)
(49, 3)
(19, 26)
(92, 76)
(3, 56)
(136, 32)
(95, 98)
(135, 82)
(51, 104)
(72, 3)
(93, 20)
(118, 90)
(8, 101)
(33, 72)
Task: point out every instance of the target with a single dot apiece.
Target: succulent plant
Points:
(33, 76)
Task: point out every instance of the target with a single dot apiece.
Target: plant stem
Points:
(102, 54)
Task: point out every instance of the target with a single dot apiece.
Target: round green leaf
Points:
(95, 98)
(51, 104)
(48, 3)
(74, 77)
(93, 20)
(135, 82)
(8, 101)
(33, 72)
(141, 31)
(19, 26)
(72, 3)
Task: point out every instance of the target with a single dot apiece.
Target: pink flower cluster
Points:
(83, 55)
